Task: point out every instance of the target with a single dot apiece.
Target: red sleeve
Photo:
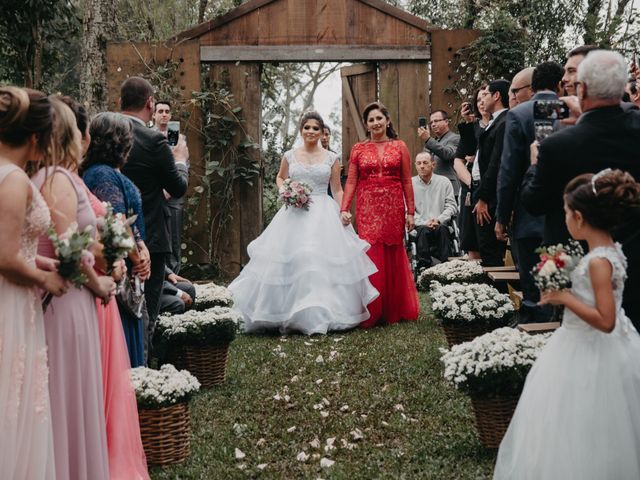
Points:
(405, 177)
(352, 181)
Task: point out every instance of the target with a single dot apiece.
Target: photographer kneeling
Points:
(435, 207)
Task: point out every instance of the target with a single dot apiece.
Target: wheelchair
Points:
(410, 238)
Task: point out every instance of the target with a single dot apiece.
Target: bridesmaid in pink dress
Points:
(26, 439)
(71, 325)
(127, 460)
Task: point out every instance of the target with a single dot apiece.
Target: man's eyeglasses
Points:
(516, 90)
(431, 122)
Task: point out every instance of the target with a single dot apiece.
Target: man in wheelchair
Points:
(436, 208)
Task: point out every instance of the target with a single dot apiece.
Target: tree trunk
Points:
(98, 21)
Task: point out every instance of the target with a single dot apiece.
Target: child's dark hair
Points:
(606, 199)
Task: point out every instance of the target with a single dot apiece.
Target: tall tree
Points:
(97, 23)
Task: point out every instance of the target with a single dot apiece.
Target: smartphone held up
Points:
(173, 133)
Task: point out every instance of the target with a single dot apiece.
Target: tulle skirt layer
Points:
(308, 273)
(579, 414)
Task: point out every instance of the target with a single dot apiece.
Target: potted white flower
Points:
(199, 341)
(211, 295)
(459, 271)
(163, 410)
(466, 310)
(492, 369)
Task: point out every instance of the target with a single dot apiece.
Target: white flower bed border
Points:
(463, 303)
(162, 388)
(460, 271)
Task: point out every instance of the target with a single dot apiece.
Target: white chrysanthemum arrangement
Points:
(465, 303)
(215, 326)
(164, 387)
(459, 271)
(496, 363)
(211, 295)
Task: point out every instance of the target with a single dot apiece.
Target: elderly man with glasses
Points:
(441, 143)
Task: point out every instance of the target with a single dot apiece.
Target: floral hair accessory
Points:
(598, 176)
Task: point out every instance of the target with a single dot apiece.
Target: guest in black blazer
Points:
(484, 173)
(606, 135)
(153, 166)
(526, 230)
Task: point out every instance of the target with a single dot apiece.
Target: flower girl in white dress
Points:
(308, 273)
(579, 413)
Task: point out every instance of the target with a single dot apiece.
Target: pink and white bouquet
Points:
(295, 194)
(115, 235)
(553, 272)
(71, 249)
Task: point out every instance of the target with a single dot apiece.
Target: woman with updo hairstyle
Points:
(380, 179)
(26, 442)
(579, 413)
(71, 324)
(307, 273)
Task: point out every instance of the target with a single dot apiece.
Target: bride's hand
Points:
(345, 217)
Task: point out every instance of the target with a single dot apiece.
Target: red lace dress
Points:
(380, 178)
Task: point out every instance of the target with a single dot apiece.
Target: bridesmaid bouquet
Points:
(71, 251)
(295, 194)
(553, 272)
(115, 235)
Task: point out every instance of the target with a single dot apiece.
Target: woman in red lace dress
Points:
(380, 177)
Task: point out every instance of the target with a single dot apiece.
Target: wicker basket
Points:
(492, 418)
(459, 334)
(165, 434)
(207, 362)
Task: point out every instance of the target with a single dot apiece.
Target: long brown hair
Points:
(391, 133)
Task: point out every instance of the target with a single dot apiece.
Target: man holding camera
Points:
(441, 143)
(526, 229)
(606, 135)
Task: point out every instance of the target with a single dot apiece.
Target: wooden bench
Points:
(503, 276)
(536, 328)
(506, 268)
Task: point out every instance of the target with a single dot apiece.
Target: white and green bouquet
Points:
(494, 364)
(72, 251)
(295, 194)
(466, 303)
(164, 387)
(557, 262)
(115, 236)
(459, 271)
(215, 326)
(211, 295)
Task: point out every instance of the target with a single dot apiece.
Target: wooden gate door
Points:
(404, 90)
(245, 224)
(359, 87)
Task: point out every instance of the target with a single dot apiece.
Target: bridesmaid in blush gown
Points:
(26, 439)
(380, 178)
(71, 325)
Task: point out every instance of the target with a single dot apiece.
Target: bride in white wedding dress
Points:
(307, 272)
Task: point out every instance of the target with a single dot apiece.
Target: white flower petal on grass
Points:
(333, 354)
(324, 414)
(261, 442)
(384, 424)
(338, 339)
(344, 408)
(356, 434)
(319, 381)
(291, 429)
(242, 466)
(398, 407)
(315, 443)
(240, 454)
(294, 379)
(326, 462)
(262, 466)
(319, 359)
(302, 457)
(329, 444)
(308, 344)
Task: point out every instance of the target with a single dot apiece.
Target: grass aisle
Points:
(374, 402)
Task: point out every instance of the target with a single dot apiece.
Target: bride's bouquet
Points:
(71, 249)
(295, 194)
(557, 262)
(115, 236)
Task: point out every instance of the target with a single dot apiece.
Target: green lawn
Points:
(288, 395)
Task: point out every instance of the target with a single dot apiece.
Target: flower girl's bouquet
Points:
(115, 236)
(553, 272)
(71, 251)
(295, 194)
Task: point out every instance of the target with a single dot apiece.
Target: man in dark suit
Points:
(485, 173)
(153, 167)
(526, 229)
(606, 135)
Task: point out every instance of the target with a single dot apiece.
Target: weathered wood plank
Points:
(305, 53)
(273, 26)
(332, 22)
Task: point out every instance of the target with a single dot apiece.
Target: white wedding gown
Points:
(579, 413)
(307, 272)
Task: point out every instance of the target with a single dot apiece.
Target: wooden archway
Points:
(407, 65)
